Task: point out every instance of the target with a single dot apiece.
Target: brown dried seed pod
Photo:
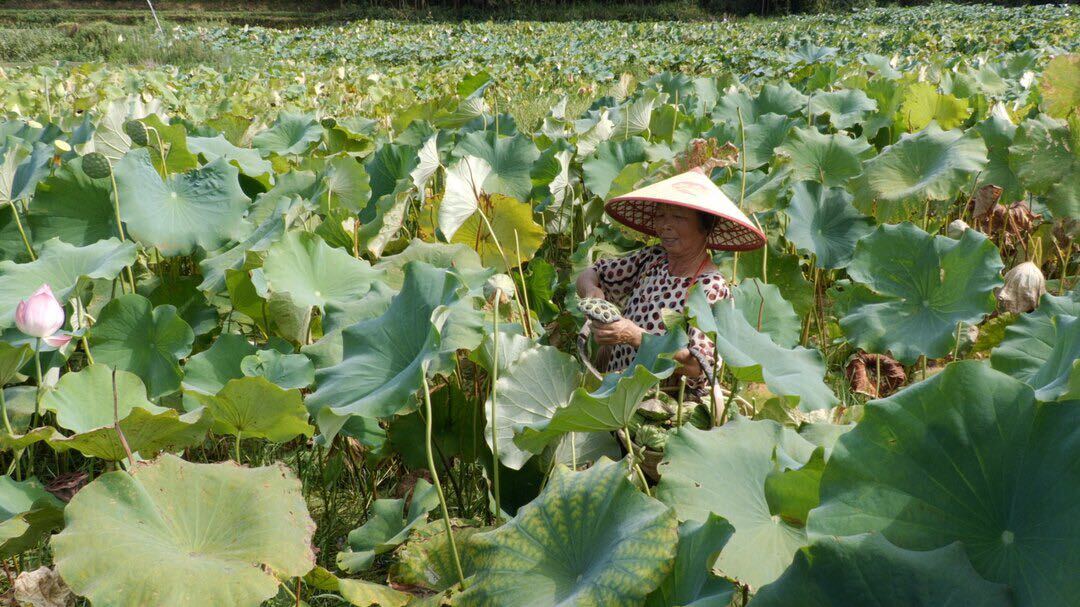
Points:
(862, 370)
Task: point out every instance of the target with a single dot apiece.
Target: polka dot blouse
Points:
(639, 283)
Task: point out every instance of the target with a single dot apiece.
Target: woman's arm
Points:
(588, 284)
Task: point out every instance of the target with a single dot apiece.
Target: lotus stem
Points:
(678, 409)
(524, 289)
(495, 239)
(116, 423)
(3, 409)
(119, 222)
(634, 466)
(435, 479)
(742, 158)
(37, 368)
(236, 447)
(22, 232)
(494, 397)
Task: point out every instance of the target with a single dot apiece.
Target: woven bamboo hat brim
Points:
(693, 190)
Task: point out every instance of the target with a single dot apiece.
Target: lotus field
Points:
(301, 329)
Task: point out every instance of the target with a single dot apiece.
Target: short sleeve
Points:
(701, 347)
(619, 275)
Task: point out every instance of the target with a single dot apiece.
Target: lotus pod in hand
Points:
(1024, 285)
(599, 310)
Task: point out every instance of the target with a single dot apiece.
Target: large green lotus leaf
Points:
(182, 292)
(249, 161)
(609, 159)
(27, 512)
(440, 255)
(83, 401)
(60, 265)
(797, 373)
(426, 560)
(169, 140)
(388, 166)
(1041, 351)
(132, 335)
(915, 288)
(829, 159)
(342, 184)
(209, 370)
(204, 207)
(540, 381)
(612, 405)
(285, 370)
(252, 407)
(12, 358)
(998, 132)
(72, 207)
(825, 223)
(781, 269)
(462, 196)
(510, 159)
(792, 492)
(846, 107)
(931, 164)
(313, 273)
(146, 432)
(357, 592)
(867, 570)
(766, 309)
(109, 136)
(507, 216)
(387, 527)
(328, 351)
(215, 266)
(290, 134)
(174, 534)
(691, 582)
(385, 357)
(590, 538)
(966, 455)
(1060, 84)
(1046, 158)
(762, 138)
(512, 344)
(923, 104)
(780, 98)
(693, 483)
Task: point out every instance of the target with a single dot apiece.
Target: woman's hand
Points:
(588, 284)
(593, 291)
(690, 365)
(621, 331)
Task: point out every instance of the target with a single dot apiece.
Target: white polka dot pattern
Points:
(640, 284)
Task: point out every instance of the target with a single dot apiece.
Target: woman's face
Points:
(679, 229)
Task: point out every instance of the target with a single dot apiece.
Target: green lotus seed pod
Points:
(137, 131)
(328, 122)
(96, 165)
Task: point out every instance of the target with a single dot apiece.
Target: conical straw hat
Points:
(693, 190)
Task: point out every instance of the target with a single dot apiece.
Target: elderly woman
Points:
(690, 215)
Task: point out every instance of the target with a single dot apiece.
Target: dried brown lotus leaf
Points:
(42, 587)
(1024, 285)
(862, 373)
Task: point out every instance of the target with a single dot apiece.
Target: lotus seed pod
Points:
(1024, 285)
(137, 131)
(62, 146)
(956, 228)
(328, 122)
(96, 165)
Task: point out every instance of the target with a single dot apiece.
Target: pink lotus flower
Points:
(42, 316)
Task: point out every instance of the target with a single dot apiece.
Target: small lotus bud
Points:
(956, 228)
(1024, 285)
(40, 315)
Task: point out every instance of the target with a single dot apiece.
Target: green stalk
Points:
(435, 480)
(524, 290)
(3, 408)
(678, 410)
(37, 367)
(494, 396)
(119, 223)
(22, 232)
(633, 461)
